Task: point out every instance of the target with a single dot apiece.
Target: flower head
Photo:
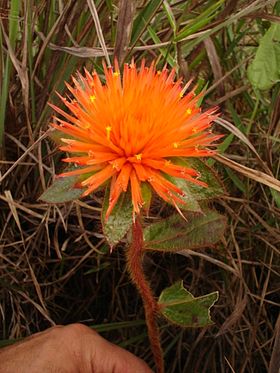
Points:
(129, 130)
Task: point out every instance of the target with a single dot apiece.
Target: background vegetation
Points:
(55, 266)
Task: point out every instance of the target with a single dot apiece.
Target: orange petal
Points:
(97, 179)
(137, 200)
(120, 185)
(80, 171)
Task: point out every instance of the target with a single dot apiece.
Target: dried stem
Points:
(134, 262)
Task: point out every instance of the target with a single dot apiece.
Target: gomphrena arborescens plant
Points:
(136, 130)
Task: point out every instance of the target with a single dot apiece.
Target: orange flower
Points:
(130, 129)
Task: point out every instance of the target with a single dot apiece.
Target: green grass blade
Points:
(143, 19)
(13, 29)
(200, 21)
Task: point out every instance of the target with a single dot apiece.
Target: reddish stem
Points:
(134, 262)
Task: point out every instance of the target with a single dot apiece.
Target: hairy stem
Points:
(134, 262)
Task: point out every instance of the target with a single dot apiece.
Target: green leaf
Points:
(264, 71)
(56, 136)
(191, 203)
(63, 190)
(180, 307)
(147, 194)
(175, 233)
(120, 219)
(194, 193)
(214, 189)
(276, 196)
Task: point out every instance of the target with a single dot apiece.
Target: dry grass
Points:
(55, 266)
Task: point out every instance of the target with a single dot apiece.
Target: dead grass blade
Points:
(231, 94)
(31, 155)
(90, 52)
(233, 129)
(215, 63)
(37, 306)
(99, 32)
(256, 175)
(274, 366)
(272, 231)
(46, 134)
(82, 52)
(17, 205)
(75, 268)
(124, 26)
(234, 317)
(49, 36)
(37, 286)
(217, 262)
(13, 209)
(226, 75)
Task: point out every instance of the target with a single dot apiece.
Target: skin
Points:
(66, 349)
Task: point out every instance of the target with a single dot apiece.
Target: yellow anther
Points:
(194, 130)
(167, 163)
(92, 98)
(189, 111)
(138, 156)
(115, 165)
(181, 94)
(108, 131)
(175, 145)
(116, 73)
(158, 72)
